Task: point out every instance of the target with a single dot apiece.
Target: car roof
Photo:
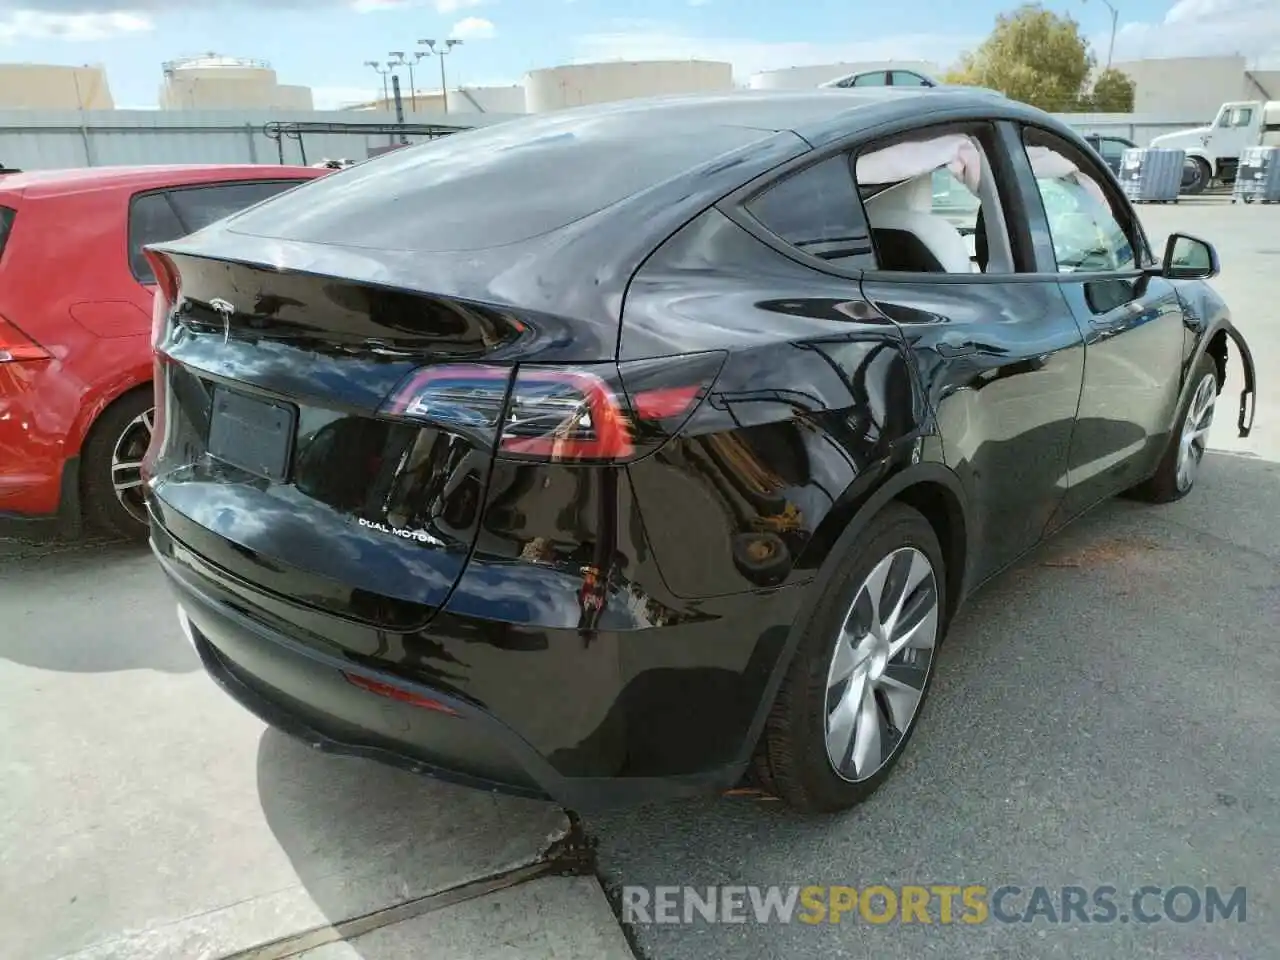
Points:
(53, 183)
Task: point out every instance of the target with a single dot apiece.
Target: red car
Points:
(75, 322)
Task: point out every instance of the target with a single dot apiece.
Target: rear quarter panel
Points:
(817, 400)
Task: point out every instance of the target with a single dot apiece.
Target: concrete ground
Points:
(1105, 713)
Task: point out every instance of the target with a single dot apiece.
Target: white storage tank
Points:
(578, 84)
(40, 86)
(805, 78)
(216, 82)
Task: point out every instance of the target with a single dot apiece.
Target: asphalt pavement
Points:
(1104, 714)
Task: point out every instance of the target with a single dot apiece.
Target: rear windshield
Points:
(6, 224)
(489, 187)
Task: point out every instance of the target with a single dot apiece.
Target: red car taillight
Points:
(16, 346)
(598, 412)
(166, 295)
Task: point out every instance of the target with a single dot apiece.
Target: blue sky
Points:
(323, 43)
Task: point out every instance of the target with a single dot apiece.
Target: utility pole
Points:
(445, 48)
(403, 61)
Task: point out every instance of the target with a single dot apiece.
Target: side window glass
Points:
(1242, 117)
(1113, 149)
(1089, 234)
(151, 220)
(818, 211)
(877, 79)
(905, 78)
(201, 206)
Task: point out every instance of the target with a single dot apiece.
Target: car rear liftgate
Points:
(305, 444)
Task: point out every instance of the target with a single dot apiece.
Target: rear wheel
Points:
(853, 693)
(1196, 176)
(111, 466)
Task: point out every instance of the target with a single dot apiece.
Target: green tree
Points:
(1032, 55)
(1112, 92)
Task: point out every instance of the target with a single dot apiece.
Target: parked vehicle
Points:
(75, 311)
(615, 452)
(1110, 148)
(1213, 152)
(893, 77)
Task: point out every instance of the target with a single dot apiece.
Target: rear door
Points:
(1133, 322)
(999, 351)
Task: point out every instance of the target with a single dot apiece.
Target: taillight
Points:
(16, 346)
(166, 294)
(597, 412)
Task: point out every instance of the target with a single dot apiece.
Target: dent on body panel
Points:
(733, 504)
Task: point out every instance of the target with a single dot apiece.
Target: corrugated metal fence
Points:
(31, 140)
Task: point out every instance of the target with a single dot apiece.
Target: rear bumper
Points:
(300, 685)
(64, 523)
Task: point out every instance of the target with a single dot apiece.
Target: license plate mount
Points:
(253, 434)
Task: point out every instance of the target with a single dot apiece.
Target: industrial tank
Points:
(578, 84)
(215, 82)
(40, 86)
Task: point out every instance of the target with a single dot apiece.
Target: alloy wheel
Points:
(881, 664)
(1195, 431)
(126, 464)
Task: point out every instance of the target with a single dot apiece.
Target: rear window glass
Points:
(151, 220)
(6, 224)
(201, 206)
(493, 186)
(163, 216)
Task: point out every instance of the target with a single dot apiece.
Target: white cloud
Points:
(473, 28)
(453, 6)
(76, 27)
(647, 40)
(1249, 28)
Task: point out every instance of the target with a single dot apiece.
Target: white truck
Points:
(1214, 151)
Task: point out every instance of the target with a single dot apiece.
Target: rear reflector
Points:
(585, 413)
(396, 693)
(16, 346)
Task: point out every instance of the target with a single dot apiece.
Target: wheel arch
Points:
(931, 488)
(100, 398)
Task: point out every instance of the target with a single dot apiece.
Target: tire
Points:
(1204, 175)
(121, 433)
(1171, 482)
(793, 760)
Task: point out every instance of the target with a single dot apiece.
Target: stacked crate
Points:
(1152, 174)
(1258, 176)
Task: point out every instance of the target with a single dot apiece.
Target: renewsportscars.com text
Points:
(933, 904)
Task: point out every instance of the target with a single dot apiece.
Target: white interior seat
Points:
(908, 208)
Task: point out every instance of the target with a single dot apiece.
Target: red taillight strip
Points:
(398, 694)
(612, 439)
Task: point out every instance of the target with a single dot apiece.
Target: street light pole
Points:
(1115, 18)
(403, 61)
(384, 72)
(445, 48)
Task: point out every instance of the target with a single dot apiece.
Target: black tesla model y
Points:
(647, 448)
